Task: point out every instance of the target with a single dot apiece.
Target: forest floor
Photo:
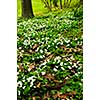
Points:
(50, 56)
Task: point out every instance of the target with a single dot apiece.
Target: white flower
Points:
(56, 66)
(22, 50)
(62, 68)
(47, 38)
(37, 57)
(18, 92)
(30, 78)
(70, 63)
(41, 51)
(68, 44)
(20, 47)
(58, 58)
(61, 64)
(31, 84)
(72, 57)
(48, 46)
(33, 80)
(25, 42)
(58, 61)
(56, 47)
(37, 49)
(20, 83)
(58, 43)
(23, 80)
(45, 50)
(17, 66)
(44, 63)
(23, 87)
(78, 62)
(76, 74)
(32, 58)
(43, 73)
(55, 40)
(29, 69)
(69, 67)
(61, 43)
(75, 65)
(67, 41)
(38, 40)
(65, 64)
(34, 86)
(41, 56)
(55, 69)
(75, 38)
(66, 78)
(80, 72)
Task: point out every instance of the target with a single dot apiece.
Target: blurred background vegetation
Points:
(41, 7)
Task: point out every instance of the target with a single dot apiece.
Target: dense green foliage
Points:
(49, 56)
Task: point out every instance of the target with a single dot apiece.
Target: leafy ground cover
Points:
(50, 56)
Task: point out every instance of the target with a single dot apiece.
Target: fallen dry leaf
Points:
(38, 85)
(35, 46)
(51, 77)
(32, 66)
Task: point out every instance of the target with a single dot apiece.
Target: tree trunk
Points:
(50, 4)
(27, 9)
(55, 3)
(61, 4)
(81, 1)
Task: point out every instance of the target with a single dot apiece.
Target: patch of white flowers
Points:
(31, 79)
(44, 63)
(57, 58)
(19, 84)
